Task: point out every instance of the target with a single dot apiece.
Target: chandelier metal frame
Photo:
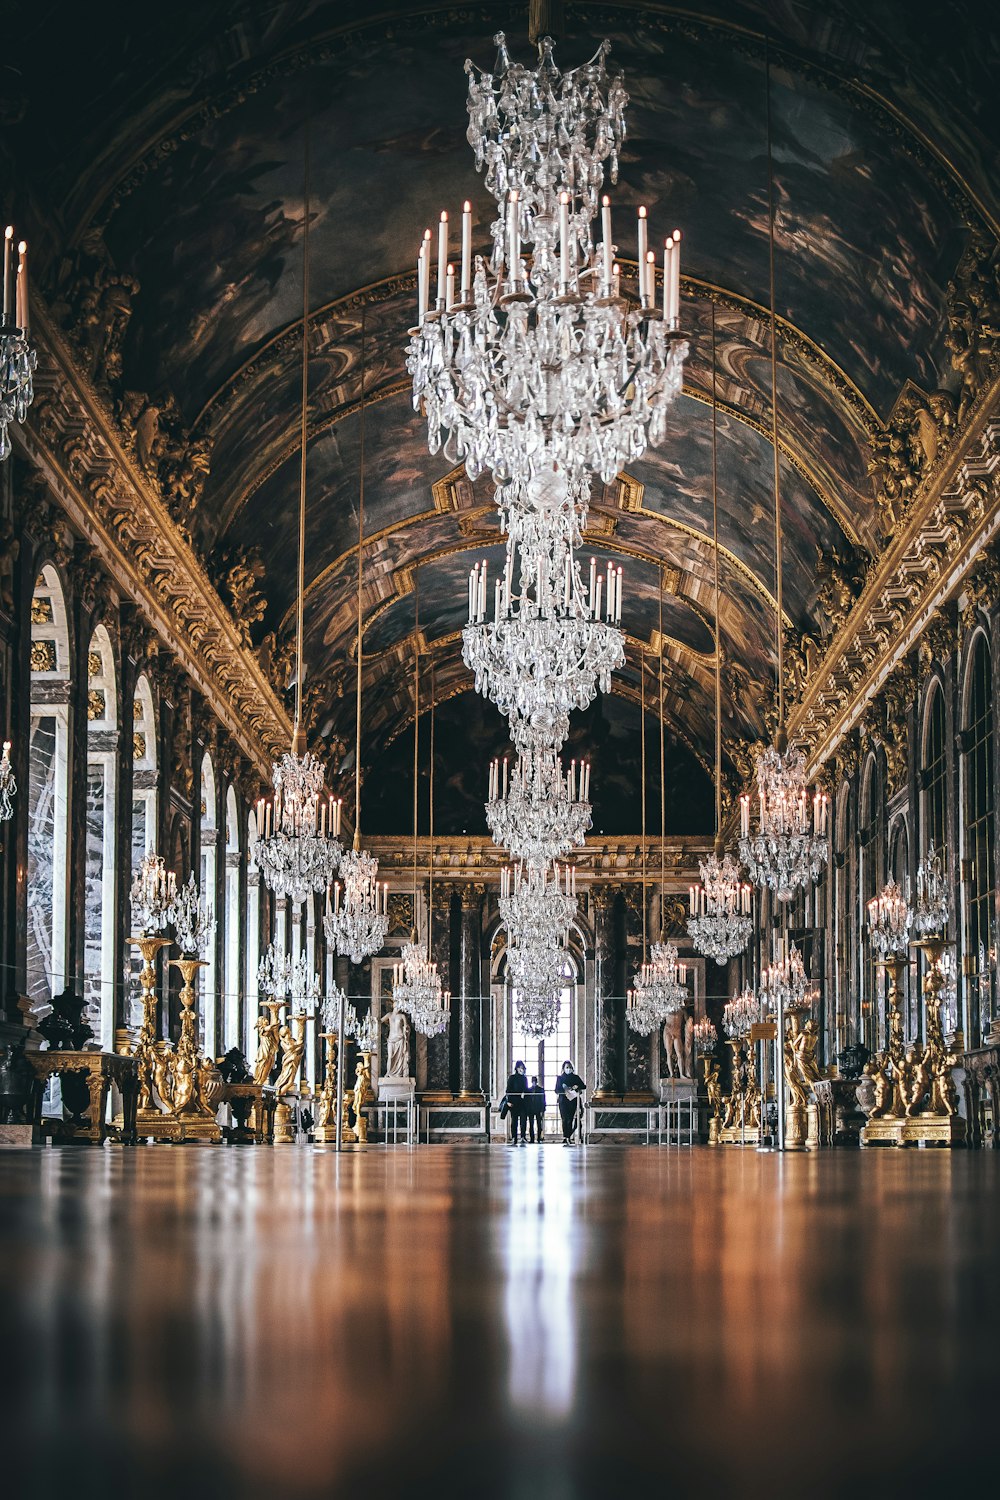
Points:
(18, 356)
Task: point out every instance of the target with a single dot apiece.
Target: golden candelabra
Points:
(179, 1089)
(740, 1118)
(144, 1047)
(293, 1045)
(713, 1091)
(326, 1103)
(913, 1096)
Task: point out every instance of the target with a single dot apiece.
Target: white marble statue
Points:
(397, 1063)
(678, 1033)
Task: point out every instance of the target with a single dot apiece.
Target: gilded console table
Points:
(253, 1106)
(100, 1070)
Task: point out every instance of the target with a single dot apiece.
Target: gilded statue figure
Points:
(267, 1048)
(362, 1095)
(944, 1095)
(185, 1075)
(714, 1091)
(293, 1044)
(917, 1078)
(163, 1076)
(796, 1085)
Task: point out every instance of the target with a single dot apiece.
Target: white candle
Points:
(424, 264)
(449, 288)
(22, 287)
(466, 251)
(675, 281)
(608, 247)
(513, 238)
(564, 238)
(8, 236)
(442, 256)
(482, 591)
(593, 572)
(505, 770)
(668, 256)
(618, 597)
(745, 815)
(643, 232)
(566, 582)
(650, 279)
(496, 600)
(597, 611)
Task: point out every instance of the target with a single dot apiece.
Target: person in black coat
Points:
(570, 1089)
(517, 1088)
(535, 1100)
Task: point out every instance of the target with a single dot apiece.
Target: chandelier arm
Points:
(303, 423)
(774, 397)
(361, 534)
(715, 549)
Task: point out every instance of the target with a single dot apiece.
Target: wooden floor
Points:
(536, 1323)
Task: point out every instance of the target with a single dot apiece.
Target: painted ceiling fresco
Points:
(174, 145)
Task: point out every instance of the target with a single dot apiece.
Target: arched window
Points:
(102, 767)
(144, 836)
(209, 857)
(844, 1025)
(231, 1033)
(48, 790)
(899, 869)
(933, 776)
(979, 819)
(546, 1057)
(253, 940)
(869, 884)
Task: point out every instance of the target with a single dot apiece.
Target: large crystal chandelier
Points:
(539, 365)
(933, 904)
(537, 811)
(153, 894)
(739, 1014)
(544, 651)
(537, 902)
(720, 922)
(356, 921)
(18, 357)
(789, 847)
(889, 919)
(8, 785)
(417, 989)
(194, 924)
(784, 984)
(298, 832)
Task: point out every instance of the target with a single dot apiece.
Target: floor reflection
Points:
(541, 1254)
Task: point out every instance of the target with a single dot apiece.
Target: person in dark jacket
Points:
(517, 1088)
(570, 1089)
(535, 1100)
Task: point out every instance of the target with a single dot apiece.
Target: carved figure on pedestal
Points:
(944, 1095)
(714, 1091)
(267, 1048)
(397, 1063)
(916, 1078)
(293, 1044)
(678, 1030)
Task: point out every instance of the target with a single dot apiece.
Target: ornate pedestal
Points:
(179, 1089)
(100, 1071)
(840, 1117)
(253, 1112)
(284, 1118)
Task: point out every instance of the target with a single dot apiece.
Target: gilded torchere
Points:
(144, 1047)
(292, 1035)
(326, 1103)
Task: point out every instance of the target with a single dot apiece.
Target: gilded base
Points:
(917, 1130)
(795, 1127)
(734, 1135)
(152, 1125)
(284, 1121)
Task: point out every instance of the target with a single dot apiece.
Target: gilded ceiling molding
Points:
(939, 539)
(463, 858)
(72, 440)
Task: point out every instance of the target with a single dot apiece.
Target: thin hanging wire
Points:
(430, 829)
(774, 399)
(642, 778)
(361, 537)
(303, 427)
(715, 548)
(416, 729)
(663, 772)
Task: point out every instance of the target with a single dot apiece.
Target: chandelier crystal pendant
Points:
(537, 811)
(298, 832)
(790, 846)
(153, 895)
(529, 367)
(933, 904)
(18, 357)
(889, 920)
(8, 785)
(193, 921)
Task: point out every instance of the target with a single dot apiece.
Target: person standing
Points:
(535, 1100)
(570, 1089)
(517, 1089)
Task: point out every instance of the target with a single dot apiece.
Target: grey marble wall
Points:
(94, 896)
(41, 826)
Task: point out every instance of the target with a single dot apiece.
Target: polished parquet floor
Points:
(533, 1324)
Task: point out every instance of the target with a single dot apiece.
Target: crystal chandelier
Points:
(536, 1012)
(704, 1036)
(357, 920)
(194, 924)
(784, 984)
(720, 923)
(790, 846)
(153, 894)
(335, 1002)
(538, 366)
(417, 990)
(298, 846)
(366, 1035)
(547, 649)
(889, 918)
(538, 812)
(274, 973)
(8, 786)
(18, 357)
(641, 1010)
(932, 906)
(667, 977)
(537, 903)
(739, 1014)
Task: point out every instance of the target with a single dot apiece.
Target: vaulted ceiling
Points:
(171, 141)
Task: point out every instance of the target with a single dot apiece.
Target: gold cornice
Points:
(71, 438)
(603, 857)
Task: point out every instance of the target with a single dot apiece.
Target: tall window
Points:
(933, 775)
(253, 940)
(231, 1037)
(545, 1058)
(48, 789)
(102, 763)
(209, 857)
(980, 887)
(869, 886)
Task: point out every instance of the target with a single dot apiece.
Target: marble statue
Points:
(678, 1031)
(397, 1044)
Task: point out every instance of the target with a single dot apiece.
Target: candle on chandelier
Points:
(506, 767)
(618, 597)
(8, 236)
(692, 899)
(466, 252)
(745, 815)
(482, 591)
(643, 247)
(566, 582)
(675, 281)
(564, 238)
(424, 277)
(650, 297)
(586, 781)
(497, 590)
(513, 238)
(442, 256)
(607, 260)
(22, 287)
(597, 611)
(668, 259)
(593, 579)
(449, 288)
